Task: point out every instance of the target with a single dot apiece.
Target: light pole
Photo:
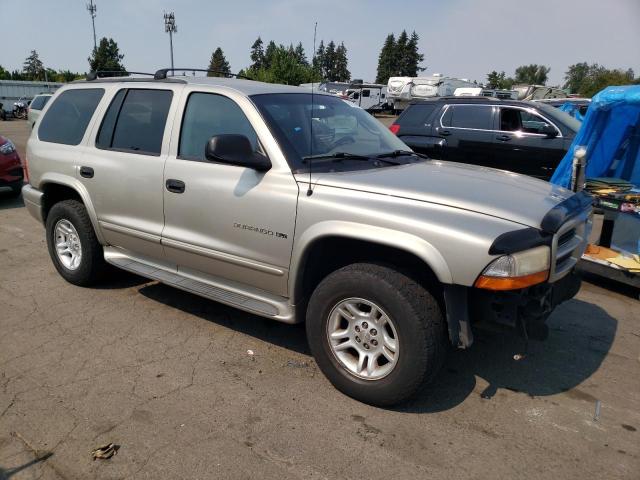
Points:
(170, 27)
(92, 11)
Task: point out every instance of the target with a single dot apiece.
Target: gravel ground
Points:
(166, 375)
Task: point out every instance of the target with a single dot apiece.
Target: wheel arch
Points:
(56, 188)
(359, 242)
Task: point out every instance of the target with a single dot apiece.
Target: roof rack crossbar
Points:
(162, 73)
(94, 74)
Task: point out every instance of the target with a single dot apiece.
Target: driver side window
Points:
(517, 120)
(209, 114)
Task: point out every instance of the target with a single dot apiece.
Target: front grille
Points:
(568, 245)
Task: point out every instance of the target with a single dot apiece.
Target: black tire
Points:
(92, 264)
(417, 318)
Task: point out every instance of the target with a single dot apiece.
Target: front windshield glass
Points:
(333, 127)
(560, 116)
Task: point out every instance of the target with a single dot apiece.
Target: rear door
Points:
(467, 131)
(520, 145)
(123, 168)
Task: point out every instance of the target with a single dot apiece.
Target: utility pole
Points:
(92, 11)
(170, 27)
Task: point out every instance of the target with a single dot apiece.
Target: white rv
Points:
(404, 90)
(369, 96)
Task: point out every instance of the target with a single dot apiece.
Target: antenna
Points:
(309, 190)
(92, 11)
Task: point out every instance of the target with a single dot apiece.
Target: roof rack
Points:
(162, 73)
(95, 74)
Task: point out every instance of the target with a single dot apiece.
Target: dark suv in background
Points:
(523, 137)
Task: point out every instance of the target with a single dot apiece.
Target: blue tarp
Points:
(611, 134)
(572, 109)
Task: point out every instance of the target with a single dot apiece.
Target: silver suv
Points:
(300, 207)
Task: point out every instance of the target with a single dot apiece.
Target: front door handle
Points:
(86, 172)
(503, 138)
(445, 133)
(175, 186)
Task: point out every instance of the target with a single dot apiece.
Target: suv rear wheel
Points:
(375, 333)
(72, 243)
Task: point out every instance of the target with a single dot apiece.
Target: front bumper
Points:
(526, 309)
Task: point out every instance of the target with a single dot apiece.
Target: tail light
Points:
(395, 128)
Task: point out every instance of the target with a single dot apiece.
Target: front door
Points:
(520, 145)
(227, 221)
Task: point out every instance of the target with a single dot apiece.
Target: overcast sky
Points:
(462, 38)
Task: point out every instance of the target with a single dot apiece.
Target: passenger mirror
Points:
(550, 131)
(235, 150)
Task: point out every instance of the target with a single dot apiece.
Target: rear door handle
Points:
(445, 133)
(175, 186)
(503, 138)
(86, 172)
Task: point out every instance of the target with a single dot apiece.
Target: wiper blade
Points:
(334, 156)
(400, 153)
(338, 156)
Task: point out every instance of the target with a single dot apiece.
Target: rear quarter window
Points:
(468, 116)
(68, 117)
(39, 102)
(417, 115)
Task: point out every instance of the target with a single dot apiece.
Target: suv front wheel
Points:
(72, 243)
(375, 333)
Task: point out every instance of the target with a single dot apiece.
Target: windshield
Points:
(335, 126)
(560, 116)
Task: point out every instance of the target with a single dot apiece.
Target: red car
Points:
(11, 172)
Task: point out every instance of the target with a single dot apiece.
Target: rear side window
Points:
(417, 115)
(209, 114)
(135, 121)
(39, 102)
(468, 116)
(67, 119)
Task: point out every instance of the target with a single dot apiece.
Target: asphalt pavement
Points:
(169, 378)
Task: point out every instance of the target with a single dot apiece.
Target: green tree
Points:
(599, 77)
(4, 74)
(300, 55)
(575, 75)
(106, 57)
(411, 57)
(342, 73)
(532, 74)
(218, 64)
(387, 60)
(33, 68)
(318, 60)
(499, 81)
(269, 53)
(401, 53)
(257, 54)
(329, 62)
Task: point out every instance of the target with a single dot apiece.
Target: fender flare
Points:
(79, 188)
(359, 231)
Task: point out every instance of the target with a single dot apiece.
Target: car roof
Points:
(246, 87)
(475, 99)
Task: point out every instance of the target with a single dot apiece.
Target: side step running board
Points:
(270, 306)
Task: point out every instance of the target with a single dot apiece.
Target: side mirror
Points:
(235, 150)
(550, 131)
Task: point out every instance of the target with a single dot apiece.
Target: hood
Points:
(488, 191)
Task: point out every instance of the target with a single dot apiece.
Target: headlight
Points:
(7, 148)
(518, 270)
